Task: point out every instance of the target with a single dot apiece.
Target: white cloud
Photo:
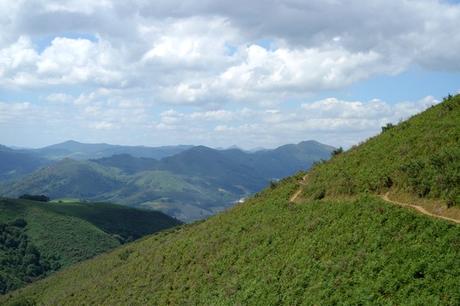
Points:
(13, 111)
(65, 61)
(59, 97)
(102, 125)
(216, 115)
(206, 53)
(303, 70)
(77, 6)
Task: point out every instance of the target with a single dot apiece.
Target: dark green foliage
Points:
(268, 251)
(387, 127)
(337, 151)
(39, 198)
(419, 156)
(126, 223)
(20, 260)
(273, 184)
(54, 235)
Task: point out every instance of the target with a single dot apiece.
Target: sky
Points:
(221, 73)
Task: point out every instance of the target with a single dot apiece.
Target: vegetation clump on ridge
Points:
(358, 250)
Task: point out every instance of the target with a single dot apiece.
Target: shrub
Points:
(39, 198)
(337, 151)
(387, 127)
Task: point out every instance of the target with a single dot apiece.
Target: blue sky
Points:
(219, 73)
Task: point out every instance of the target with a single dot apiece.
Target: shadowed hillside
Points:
(37, 238)
(14, 164)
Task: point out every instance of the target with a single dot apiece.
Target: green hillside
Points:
(356, 250)
(65, 233)
(420, 156)
(67, 178)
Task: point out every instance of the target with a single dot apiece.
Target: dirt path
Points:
(418, 208)
(298, 192)
(384, 197)
(295, 195)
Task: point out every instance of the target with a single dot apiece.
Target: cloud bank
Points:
(111, 64)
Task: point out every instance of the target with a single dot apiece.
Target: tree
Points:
(337, 151)
(387, 127)
(39, 198)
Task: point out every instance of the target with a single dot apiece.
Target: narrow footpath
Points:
(418, 208)
(384, 197)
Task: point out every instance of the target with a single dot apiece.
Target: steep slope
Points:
(65, 233)
(419, 157)
(339, 250)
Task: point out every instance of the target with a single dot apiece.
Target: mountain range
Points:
(190, 184)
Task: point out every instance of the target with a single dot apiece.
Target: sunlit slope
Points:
(420, 156)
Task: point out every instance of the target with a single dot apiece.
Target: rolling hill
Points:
(190, 185)
(339, 246)
(37, 238)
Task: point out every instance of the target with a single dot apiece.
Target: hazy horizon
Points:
(172, 145)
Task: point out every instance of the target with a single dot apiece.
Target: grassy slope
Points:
(359, 250)
(420, 157)
(268, 251)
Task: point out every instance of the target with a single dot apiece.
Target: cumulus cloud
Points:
(200, 52)
(64, 61)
